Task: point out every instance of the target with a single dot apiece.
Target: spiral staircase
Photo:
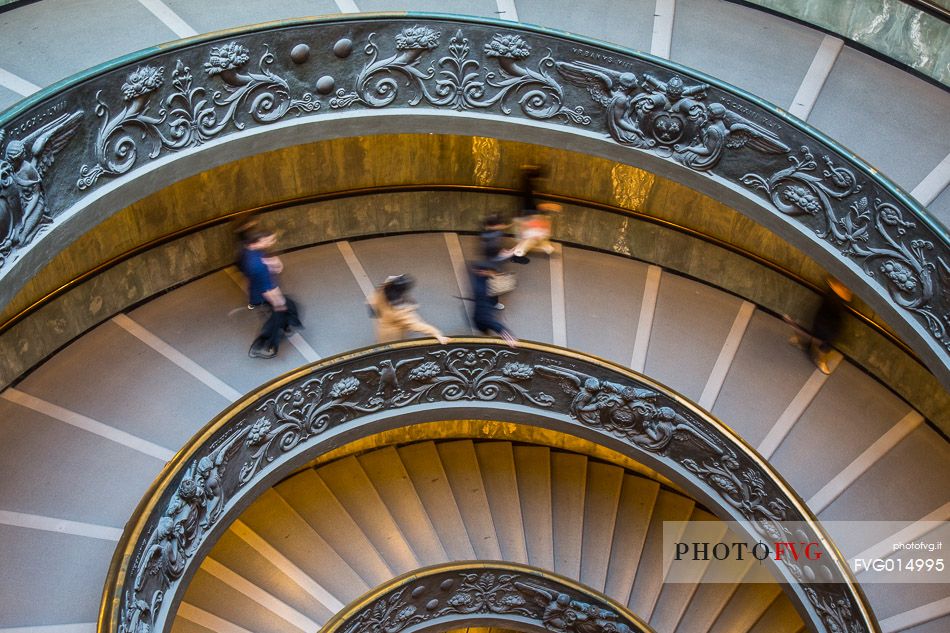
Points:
(88, 430)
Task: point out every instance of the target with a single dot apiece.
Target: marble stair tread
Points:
(765, 376)
(483, 8)
(333, 308)
(533, 468)
(630, 23)
(312, 499)
(883, 90)
(603, 294)
(650, 571)
(208, 321)
(888, 601)
(601, 501)
(690, 326)
(215, 15)
(528, 309)
(939, 625)
(880, 493)
(353, 489)
(428, 476)
(44, 50)
(258, 569)
(277, 523)
(780, 617)
(211, 594)
(52, 587)
(568, 493)
(461, 467)
(183, 625)
(769, 60)
(51, 454)
(426, 258)
(675, 597)
(836, 418)
(8, 98)
(745, 607)
(117, 371)
(708, 601)
(496, 461)
(635, 508)
(388, 475)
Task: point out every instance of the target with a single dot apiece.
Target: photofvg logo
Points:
(875, 552)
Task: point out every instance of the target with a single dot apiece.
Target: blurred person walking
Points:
(485, 315)
(395, 312)
(261, 270)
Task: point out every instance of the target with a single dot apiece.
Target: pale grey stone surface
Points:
(43, 49)
(765, 375)
(840, 418)
(54, 580)
(690, 325)
(628, 23)
(47, 459)
(213, 15)
(765, 55)
(892, 120)
(603, 295)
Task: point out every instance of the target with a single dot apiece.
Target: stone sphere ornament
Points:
(325, 84)
(343, 48)
(300, 53)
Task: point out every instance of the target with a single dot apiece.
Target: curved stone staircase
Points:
(892, 119)
(88, 430)
(325, 536)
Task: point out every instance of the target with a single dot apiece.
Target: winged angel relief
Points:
(25, 162)
(653, 114)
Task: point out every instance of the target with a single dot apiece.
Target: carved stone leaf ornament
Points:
(457, 80)
(188, 115)
(873, 233)
(291, 419)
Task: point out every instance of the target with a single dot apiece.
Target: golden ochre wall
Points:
(613, 203)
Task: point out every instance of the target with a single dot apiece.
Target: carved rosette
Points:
(291, 420)
(462, 594)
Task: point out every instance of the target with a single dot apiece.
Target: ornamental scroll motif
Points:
(488, 591)
(872, 232)
(291, 420)
(457, 80)
(188, 115)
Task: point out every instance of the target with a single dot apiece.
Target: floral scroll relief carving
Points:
(457, 81)
(189, 114)
(872, 232)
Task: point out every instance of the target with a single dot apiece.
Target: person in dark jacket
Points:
(260, 268)
(485, 315)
